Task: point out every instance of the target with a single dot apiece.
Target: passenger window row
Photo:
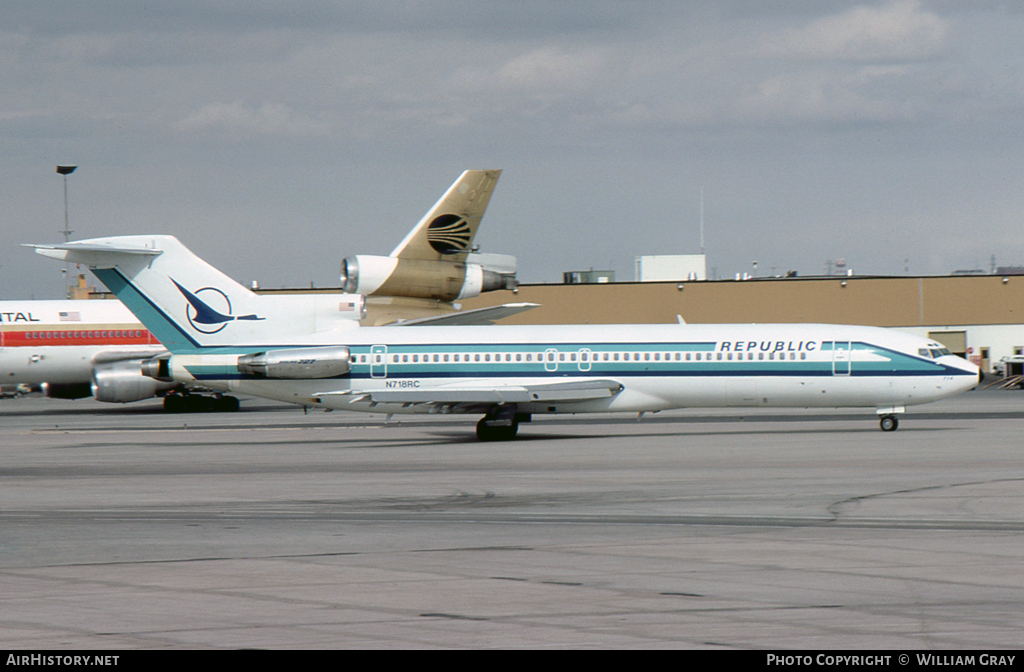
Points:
(44, 335)
(574, 357)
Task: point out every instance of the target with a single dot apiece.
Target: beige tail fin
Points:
(447, 230)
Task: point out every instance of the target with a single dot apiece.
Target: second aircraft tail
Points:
(447, 230)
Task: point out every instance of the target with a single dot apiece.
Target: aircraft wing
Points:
(121, 354)
(477, 316)
(480, 392)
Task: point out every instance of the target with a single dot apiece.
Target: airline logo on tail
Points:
(449, 234)
(203, 317)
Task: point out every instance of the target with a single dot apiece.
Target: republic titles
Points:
(767, 346)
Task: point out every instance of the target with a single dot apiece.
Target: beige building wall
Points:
(886, 302)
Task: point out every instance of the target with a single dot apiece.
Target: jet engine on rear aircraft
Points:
(122, 382)
(428, 279)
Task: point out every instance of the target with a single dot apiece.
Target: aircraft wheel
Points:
(492, 432)
(888, 423)
(197, 403)
(174, 403)
(229, 404)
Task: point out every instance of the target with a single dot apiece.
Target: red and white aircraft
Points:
(74, 349)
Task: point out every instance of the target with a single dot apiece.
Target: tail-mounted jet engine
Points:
(428, 279)
(297, 363)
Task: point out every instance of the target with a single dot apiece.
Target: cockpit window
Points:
(923, 352)
(936, 353)
(945, 351)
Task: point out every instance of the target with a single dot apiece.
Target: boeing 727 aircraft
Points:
(228, 338)
(74, 349)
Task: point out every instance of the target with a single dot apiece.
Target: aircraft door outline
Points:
(378, 361)
(550, 362)
(841, 356)
(584, 359)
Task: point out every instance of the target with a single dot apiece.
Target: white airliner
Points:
(74, 349)
(305, 352)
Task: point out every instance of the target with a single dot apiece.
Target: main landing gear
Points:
(199, 403)
(500, 424)
(888, 423)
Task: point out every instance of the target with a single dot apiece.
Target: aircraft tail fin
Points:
(447, 230)
(188, 304)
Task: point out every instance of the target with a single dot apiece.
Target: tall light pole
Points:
(65, 171)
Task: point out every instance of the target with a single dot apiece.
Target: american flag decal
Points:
(72, 316)
(343, 306)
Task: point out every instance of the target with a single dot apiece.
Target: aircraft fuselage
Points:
(407, 369)
(59, 342)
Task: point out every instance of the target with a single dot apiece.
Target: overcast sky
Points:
(275, 138)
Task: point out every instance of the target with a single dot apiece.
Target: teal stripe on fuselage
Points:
(162, 327)
(898, 364)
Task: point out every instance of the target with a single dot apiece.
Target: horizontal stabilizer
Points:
(96, 256)
(477, 316)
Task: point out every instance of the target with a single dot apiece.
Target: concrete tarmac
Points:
(122, 527)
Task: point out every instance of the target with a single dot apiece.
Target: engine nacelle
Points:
(123, 381)
(425, 278)
(66, 390)
(158, 368)
(298, 363)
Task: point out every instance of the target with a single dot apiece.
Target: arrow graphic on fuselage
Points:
(207, 315)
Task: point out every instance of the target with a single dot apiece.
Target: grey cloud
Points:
(263, 131)
(470, 18)
(266, 119)
(902, 30)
